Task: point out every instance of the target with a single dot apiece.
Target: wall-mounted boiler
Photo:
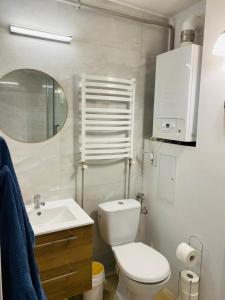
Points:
(177, 94)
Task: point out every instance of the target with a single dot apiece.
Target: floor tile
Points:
(110, 287)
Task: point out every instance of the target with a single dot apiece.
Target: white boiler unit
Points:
(177, 93)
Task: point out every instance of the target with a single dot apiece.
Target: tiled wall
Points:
(102, 45)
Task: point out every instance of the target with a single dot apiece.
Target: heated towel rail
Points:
(107, 117)
(107, 120)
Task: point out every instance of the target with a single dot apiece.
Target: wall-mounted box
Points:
(177, 94)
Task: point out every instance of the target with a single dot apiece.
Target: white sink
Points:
(57, 215)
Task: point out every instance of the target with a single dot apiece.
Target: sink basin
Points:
(57, 215)
(51, 216)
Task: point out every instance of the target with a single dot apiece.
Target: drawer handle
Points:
(58, 241)
(59, 277)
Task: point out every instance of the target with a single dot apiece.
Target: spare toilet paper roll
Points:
(189, 278)
(187, 255)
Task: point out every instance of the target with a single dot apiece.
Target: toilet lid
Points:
(141, 263)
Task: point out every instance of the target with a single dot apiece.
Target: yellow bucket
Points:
(97, 268)
(98, 277)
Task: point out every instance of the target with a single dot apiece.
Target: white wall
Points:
(198, 10)
(102, 45)
(199, 204)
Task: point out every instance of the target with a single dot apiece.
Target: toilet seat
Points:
(142, 263)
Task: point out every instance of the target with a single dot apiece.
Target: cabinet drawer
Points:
(74, 283)
(57, 253)
(83, 234)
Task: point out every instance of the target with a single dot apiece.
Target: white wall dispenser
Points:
(176, 94)
(107, 121)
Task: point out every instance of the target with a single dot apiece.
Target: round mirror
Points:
(33, 106)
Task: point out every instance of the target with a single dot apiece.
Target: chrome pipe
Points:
(129, 177)
(80, 4)
(82, 184)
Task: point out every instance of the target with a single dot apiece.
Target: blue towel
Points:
(5, 160)
(20, 276)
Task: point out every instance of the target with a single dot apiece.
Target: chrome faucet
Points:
(37, 202)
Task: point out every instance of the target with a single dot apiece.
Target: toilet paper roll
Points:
(185, 296)
(189, 284)
(187, 255)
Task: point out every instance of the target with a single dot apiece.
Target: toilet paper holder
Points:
(197, 244)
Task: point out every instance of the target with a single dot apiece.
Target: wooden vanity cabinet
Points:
(64, 259)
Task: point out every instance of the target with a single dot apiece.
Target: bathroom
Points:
(122, 39)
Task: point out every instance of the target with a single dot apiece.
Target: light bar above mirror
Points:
(37, 33)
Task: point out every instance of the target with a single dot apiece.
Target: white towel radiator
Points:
(107, 117)
(107, 120)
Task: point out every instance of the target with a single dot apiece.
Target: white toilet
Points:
(143, 271)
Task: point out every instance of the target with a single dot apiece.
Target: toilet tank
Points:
(118, 221)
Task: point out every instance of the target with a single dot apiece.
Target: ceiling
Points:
(161, 7)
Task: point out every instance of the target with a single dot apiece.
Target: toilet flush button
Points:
(120, 202)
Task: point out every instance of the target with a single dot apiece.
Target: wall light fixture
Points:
(37, 33)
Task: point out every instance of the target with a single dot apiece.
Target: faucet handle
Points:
(37, 197)
(37, 201)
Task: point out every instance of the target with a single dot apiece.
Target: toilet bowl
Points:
(143, 271)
